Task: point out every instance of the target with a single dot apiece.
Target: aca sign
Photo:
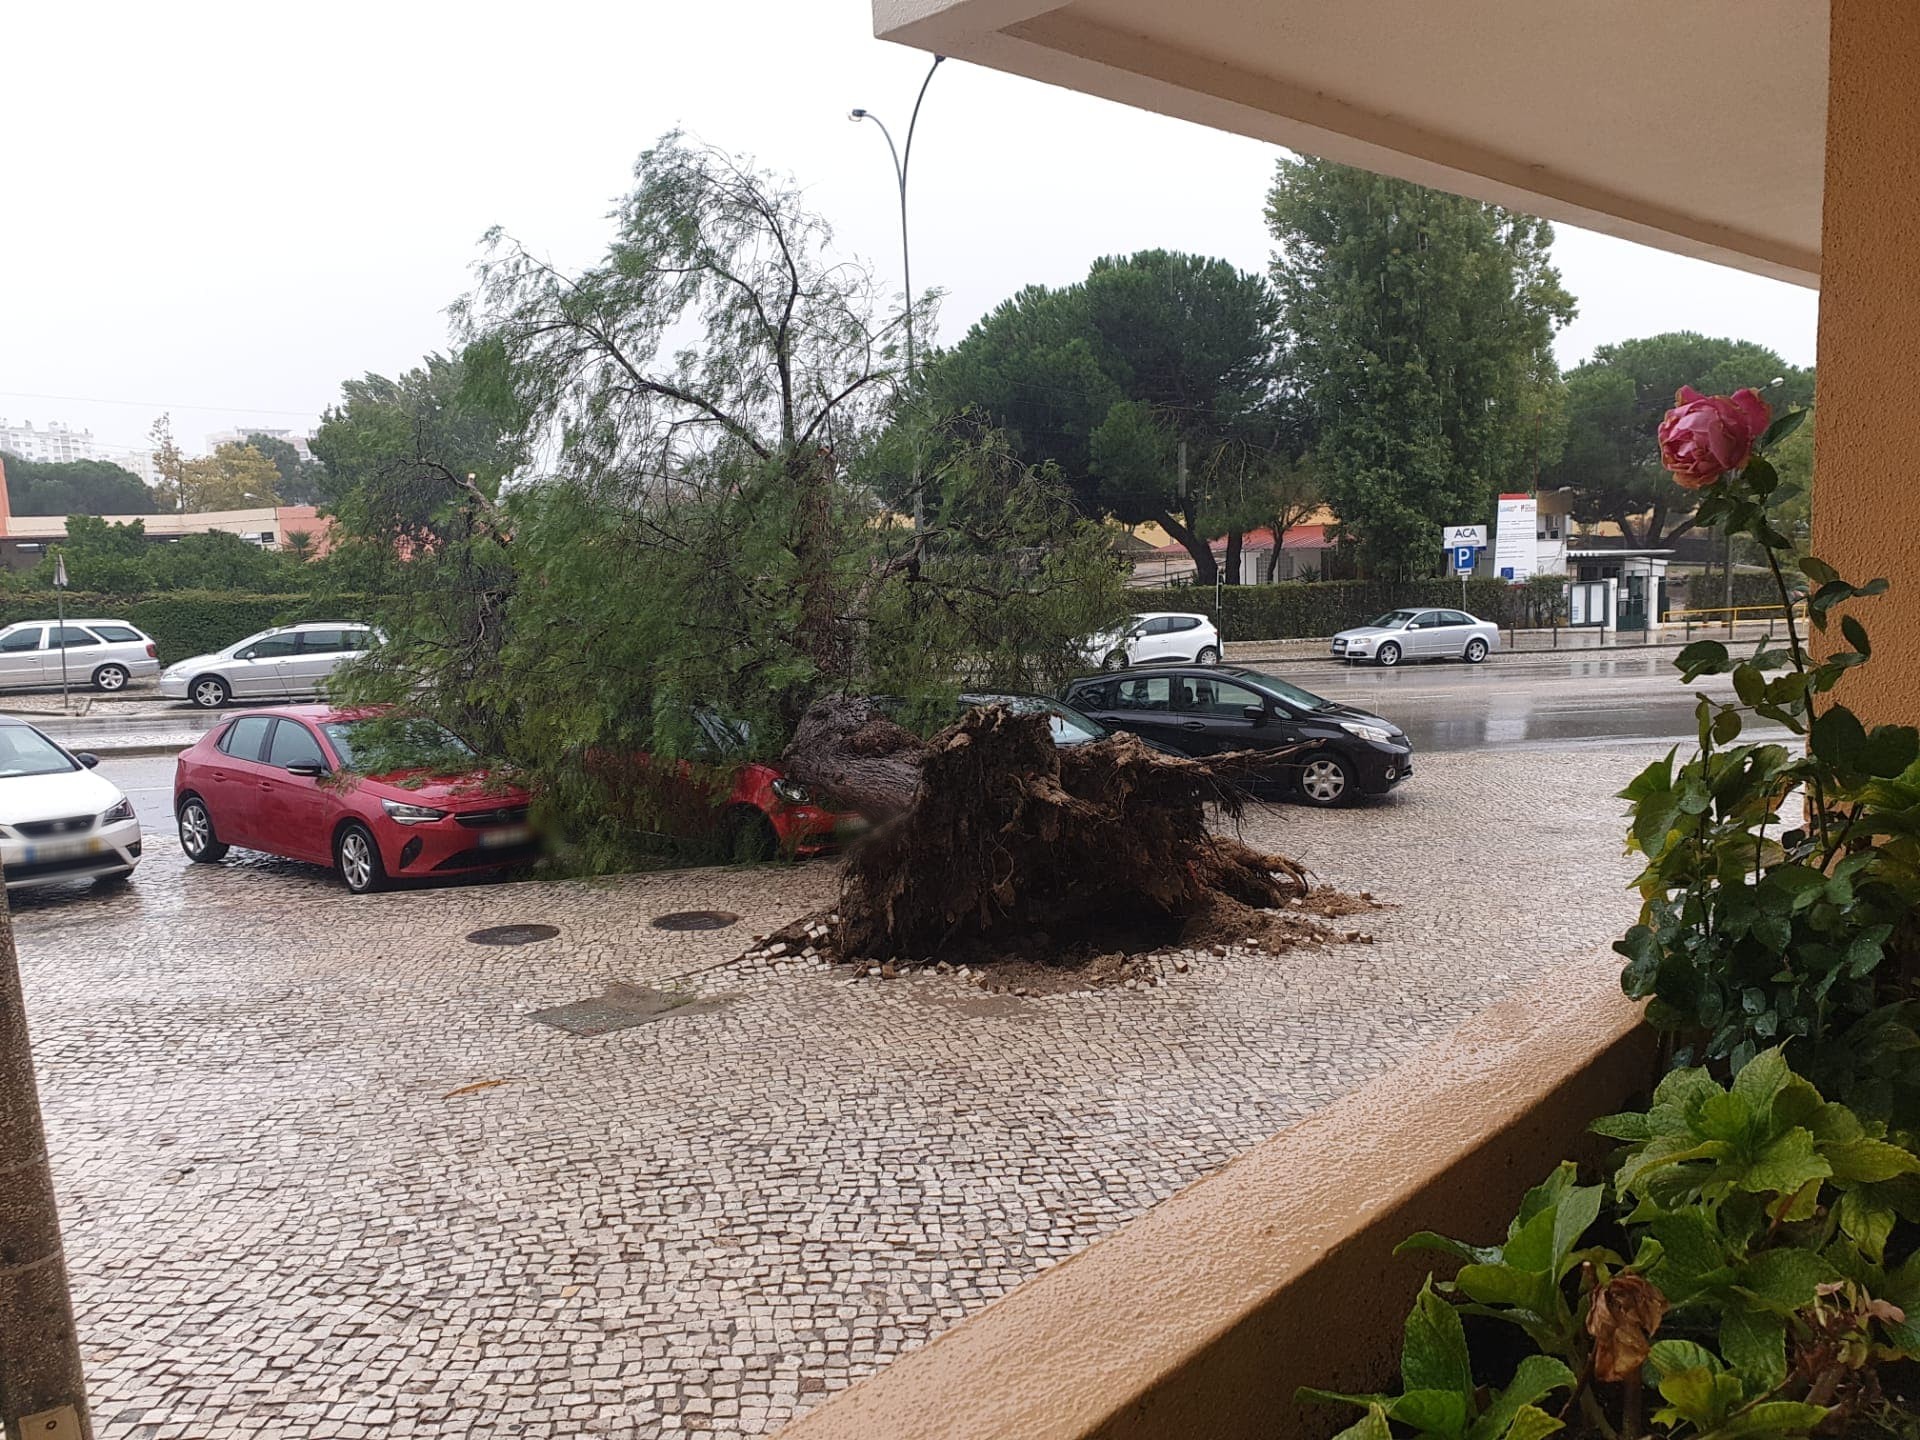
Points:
(1455, 536)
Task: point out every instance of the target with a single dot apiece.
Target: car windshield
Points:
(391, 744)
(25, 751)
(1068, 725)
(1292, 694)
(1392, 620)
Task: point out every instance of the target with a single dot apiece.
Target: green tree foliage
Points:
(76, 487)
(301, 481)
(233, 477)
(697, 547)
(1153, 359)
(122, 560)
(1421, 326)
(1615, 402)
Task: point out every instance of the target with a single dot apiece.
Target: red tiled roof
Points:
(1300, 537)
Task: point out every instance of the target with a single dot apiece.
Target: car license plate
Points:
(64, 849)
(505, 835)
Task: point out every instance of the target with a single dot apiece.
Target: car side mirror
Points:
(87, 758)
(1256, 713)
(310, 772)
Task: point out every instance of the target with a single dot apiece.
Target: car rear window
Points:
(72, 637)
(246, 736)
(317, 641)
(117, 633)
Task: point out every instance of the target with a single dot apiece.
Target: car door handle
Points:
(1193, 725)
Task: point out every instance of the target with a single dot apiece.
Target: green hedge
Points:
(181, 622)
(1308, 609)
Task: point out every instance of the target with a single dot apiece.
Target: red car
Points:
(282, 781)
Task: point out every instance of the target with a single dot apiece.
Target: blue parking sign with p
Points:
(1463, 558)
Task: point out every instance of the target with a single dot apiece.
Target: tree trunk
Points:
(1206, 570)
(1232, 568)
(990, 831)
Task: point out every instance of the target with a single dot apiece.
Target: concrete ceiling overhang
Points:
(1697, 127)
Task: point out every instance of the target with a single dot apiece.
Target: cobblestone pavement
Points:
(295, 1205)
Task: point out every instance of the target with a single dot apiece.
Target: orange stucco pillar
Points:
(1866, 511)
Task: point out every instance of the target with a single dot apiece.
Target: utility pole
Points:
(42, 1392)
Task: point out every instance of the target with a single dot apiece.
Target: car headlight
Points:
(121, 811)
(405, 814)
(1365, 731)
(1355, 642)
(792, 792)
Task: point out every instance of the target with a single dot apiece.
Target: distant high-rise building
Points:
(58, 444)
(296, 438)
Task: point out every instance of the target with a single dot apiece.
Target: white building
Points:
(296, 438)
(59, 444)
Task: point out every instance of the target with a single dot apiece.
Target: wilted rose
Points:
(1622, 1319)
(1705, 436)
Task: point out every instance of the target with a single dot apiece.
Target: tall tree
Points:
(1615, 402)
(302, 481)
(1421, 327)
(233, 477)
(169, 464)
(75, 487)
(1152, 385)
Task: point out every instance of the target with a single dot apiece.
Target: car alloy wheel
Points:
(1388, 655)
(196, 834)
(359, 860)
(1323, 781)
(210, 692)
(110, 678)
(1208, 656)
(1476, 651)
(1116, 661)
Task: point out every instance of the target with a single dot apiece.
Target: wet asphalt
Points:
(1512, 701)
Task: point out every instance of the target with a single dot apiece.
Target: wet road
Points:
(1532, 702)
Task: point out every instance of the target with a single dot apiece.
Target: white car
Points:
(288, 661)
(1419, 635)
(1160, 637)
(105, 654)
(59, 820)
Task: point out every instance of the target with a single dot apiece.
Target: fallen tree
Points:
(989, 830)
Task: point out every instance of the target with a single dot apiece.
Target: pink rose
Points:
(1705, 436)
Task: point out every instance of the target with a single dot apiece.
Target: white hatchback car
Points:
(1160, 637)
(59, 820)
(288, 661)
(105, 654)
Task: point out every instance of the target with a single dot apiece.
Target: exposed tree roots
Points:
(991, 831)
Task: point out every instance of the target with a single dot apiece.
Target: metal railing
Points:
(1728, 616)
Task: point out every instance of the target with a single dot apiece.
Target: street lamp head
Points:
(856, 114)
(1777, 380)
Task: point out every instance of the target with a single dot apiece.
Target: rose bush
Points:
(1705, 436)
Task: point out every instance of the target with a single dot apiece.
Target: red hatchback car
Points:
(266, 780)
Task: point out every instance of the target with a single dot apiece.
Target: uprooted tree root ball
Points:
(989, 834)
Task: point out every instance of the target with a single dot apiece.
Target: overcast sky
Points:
(226, 209)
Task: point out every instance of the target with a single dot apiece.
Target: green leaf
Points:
(1764, 1076)
(1749, 684)
(1726, 727)
(1818, 571)
(1785, 1164)
(1692, 1258)
(1577, 1210)
(1434, 1353)
(1630, 1125)
(1371, 1426)
(1669, 1357)
(1786, 1278)
(1700, 1395)
(1773, 1418)
(1702, 657)
(1431, 1412)
(1869, 1160)
(1535, 1377)
(1867, 1223)
(1506, 1285)
(1653, 820)
(1531, 1423)
(1889, 750)
(1784, 424)
(1427, 1240)
(1838, 738)
(1856, 634)
(1755, 1345)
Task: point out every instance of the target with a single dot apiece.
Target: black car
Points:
(1210, 710)
(1069, 726)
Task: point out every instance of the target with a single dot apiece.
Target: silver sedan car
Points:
(1419, 635)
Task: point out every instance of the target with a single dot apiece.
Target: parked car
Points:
(285, 781)
(1156, 638)
(1419, 635)
(105, 654)
(289, 660)
(749, 808)
(1201, 711)
(59, 820)
(1068, 725)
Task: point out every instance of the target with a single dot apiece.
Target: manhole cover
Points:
(513, 934)
(695, 920)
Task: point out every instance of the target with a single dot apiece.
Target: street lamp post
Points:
(901, 160)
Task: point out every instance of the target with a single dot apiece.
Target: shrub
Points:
(1294, 610)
